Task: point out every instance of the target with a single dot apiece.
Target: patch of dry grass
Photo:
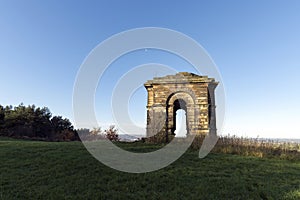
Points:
(253, 147)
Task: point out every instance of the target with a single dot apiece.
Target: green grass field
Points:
(65, 170)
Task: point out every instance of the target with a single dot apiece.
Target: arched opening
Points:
(179, 101)
(180, 124)
(179, 118)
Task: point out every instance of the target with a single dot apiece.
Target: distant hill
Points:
(129, 138)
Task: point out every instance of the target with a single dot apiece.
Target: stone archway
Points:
(187, 91)
(176, 101)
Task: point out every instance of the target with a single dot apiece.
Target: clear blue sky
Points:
(255, 44)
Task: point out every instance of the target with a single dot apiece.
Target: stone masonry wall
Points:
(193, 93)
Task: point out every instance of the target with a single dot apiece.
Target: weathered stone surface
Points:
(187, 91)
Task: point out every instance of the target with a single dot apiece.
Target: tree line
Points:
(34, 122)
(31, 122)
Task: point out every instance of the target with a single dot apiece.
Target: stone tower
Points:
(193, 93)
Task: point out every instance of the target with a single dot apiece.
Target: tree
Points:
(96, 131)
(40, 121)
(63, 129)
(1, 118)
(112, 133)
(83, 132)
(59, 124)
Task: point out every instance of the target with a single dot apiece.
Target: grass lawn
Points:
(65, 170)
